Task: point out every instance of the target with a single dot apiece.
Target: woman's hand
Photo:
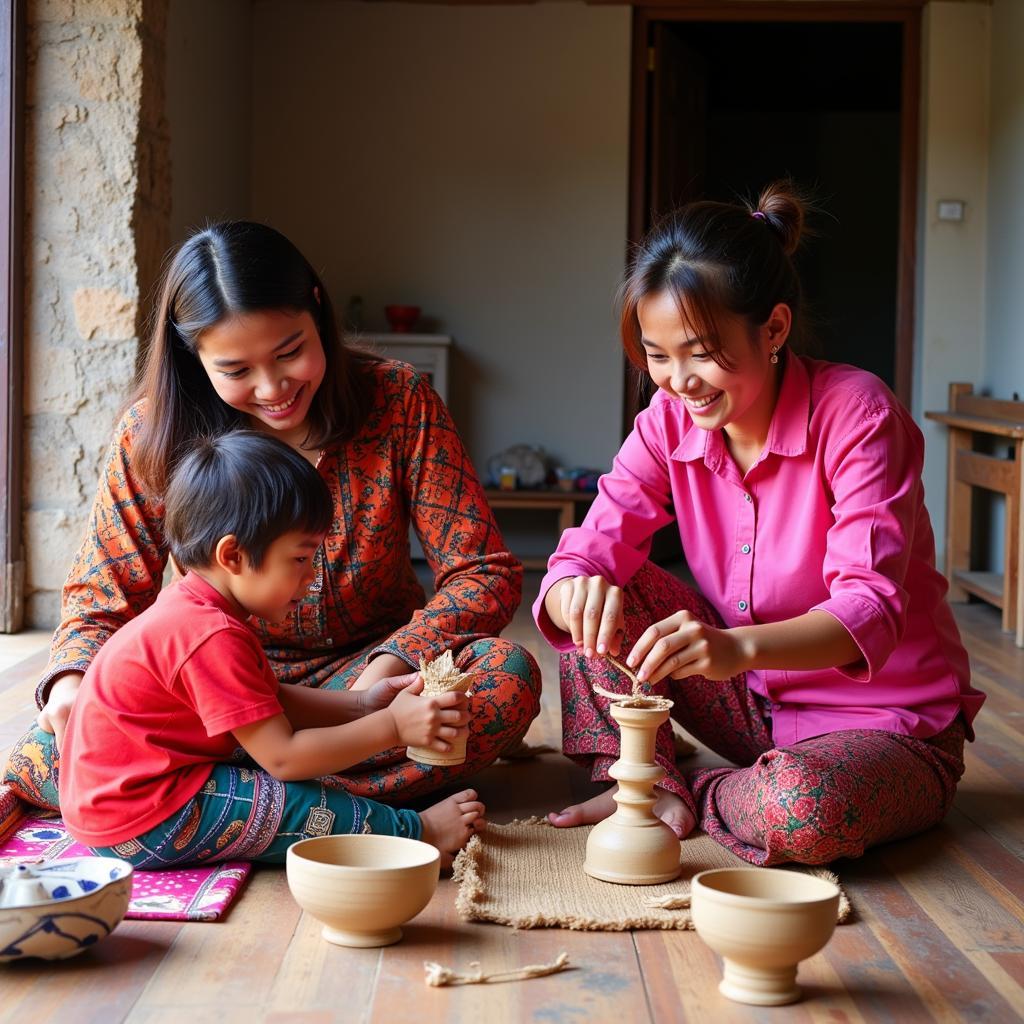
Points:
(381, 667)
(589, 609)
(431, 720)
(682, 646)
(381, 694)
(54, 716)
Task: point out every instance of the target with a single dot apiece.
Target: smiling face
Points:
(267, 365)
(274, 590)
(740, 400)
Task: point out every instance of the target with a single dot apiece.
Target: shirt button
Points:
(745, 549)
(330, 641)
(742, 606)
(747, 497)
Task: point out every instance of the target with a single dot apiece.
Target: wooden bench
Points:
(974, 421)
(565, 503)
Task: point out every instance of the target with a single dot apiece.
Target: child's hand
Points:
(54, 716)
(383, 692)
(431, 720)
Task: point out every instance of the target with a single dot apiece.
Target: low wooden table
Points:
(974, 420)
(565, 503)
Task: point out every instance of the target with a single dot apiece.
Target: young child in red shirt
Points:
(182, 747)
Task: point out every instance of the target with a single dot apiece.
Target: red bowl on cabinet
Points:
(402, 318)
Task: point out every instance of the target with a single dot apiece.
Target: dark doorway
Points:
(723, 107)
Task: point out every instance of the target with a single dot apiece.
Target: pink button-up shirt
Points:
(830, 517)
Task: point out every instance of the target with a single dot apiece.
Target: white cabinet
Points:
(426, 353)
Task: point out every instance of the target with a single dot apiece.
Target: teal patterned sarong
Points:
(247, 814)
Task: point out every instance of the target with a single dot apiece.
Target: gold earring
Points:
(774, 357)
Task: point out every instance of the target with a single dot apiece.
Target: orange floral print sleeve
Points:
(478, 583)
(406, 466)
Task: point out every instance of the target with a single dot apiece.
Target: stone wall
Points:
(97, 191)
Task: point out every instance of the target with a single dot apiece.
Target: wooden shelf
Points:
(986, 585)
(973, 420)
(562, 502)
(979, 424)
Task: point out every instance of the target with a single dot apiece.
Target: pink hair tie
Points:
(758, 215)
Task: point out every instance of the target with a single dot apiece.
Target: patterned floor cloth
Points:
(185, 894)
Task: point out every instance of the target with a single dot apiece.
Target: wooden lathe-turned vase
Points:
(634, 846)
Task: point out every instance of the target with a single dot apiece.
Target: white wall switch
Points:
(951, 209)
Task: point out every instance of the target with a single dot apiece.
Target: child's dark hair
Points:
(228, 269)
(719, 258)
(243, 483)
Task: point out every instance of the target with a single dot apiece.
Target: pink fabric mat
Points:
(185, 894)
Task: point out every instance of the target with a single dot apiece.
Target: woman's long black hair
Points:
(225, 270)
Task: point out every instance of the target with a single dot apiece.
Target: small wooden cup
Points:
(457, 755)
(762, 922)
(441, 676)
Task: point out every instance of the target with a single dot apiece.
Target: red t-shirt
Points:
(155, 712)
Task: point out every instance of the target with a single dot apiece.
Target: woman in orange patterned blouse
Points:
(245, 335)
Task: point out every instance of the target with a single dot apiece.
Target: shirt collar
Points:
(787, 434)
(696, 443)
(208, 594)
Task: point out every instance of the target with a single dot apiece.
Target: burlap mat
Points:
(529, 874)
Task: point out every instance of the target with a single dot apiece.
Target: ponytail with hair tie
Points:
(709, 258)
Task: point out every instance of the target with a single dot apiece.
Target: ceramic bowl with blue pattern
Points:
(59, 908)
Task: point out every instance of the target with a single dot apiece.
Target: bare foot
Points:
(449, 824)
(669, 807)
(590, 812)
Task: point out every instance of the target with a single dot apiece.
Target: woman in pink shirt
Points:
(820, 654)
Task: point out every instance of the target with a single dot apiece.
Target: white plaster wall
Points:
(473, 161)
(1004, 355)
(1004, 307)
(950, 342)
(209, 58)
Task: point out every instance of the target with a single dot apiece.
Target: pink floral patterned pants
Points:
(812, 802)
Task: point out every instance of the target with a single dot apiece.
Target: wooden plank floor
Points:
(939, 932)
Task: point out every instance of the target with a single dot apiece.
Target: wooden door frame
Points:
(12, 79)
(904, 12)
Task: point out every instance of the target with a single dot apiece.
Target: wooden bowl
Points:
(362, 887)
(763, 922)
